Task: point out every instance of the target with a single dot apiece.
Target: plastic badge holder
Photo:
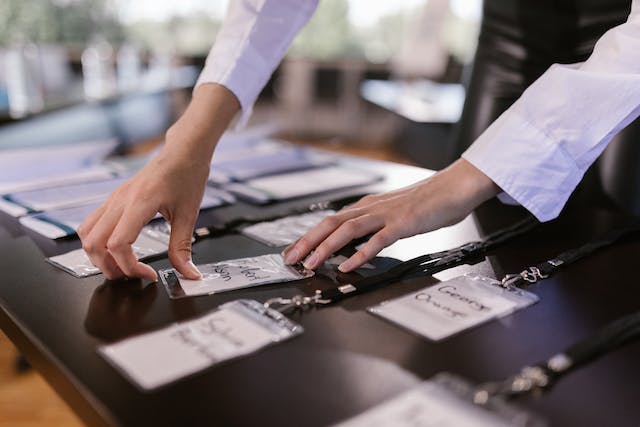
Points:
(58, 223)
(64, 222)
(444, 401)
(67, 196)
(452, 306)
(298, 184)
(235, 329)
(253, 165)
(285, 231)
(153, 240)
(232, 274)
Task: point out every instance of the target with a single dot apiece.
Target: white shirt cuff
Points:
(526, 164)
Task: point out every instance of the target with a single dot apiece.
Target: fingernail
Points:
(194, 270)
(291, 255)
(310, 263)
(346, 266)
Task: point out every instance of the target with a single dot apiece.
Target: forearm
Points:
(251, 43)
(539, 149)
(195, 134)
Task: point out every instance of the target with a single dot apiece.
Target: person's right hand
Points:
(172, 184)
(169, 184)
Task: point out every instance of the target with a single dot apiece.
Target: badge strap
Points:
(542, 376)
(547, 268)
(424, 265)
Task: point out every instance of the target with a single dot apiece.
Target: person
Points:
(534, 153)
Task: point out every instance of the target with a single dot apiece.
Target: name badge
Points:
(444, 401)
(152, 240)
(445, 309)
(234, 329)
(233, 274)
(285, 231)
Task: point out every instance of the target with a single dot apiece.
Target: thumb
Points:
(180, 246)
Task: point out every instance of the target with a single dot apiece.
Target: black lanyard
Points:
(427, 265)
(233, 224)
(424, 265)
(547, 268)
(544, 375)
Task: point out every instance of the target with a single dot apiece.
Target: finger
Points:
(349, 230)
(317, 234)
(180, 245)
(364, 201)
(123, 236)
(285, 252)
(379, 241)
(84, 229)
(95, 244)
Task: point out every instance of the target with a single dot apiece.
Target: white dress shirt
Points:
(537, 151)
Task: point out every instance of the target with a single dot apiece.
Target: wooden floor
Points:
(26, 400)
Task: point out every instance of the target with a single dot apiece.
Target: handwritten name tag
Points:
(285, 231)
(441, 402)
(233, 274)
(455, 305)
(234, 329)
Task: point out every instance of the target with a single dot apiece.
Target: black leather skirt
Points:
(519, 40)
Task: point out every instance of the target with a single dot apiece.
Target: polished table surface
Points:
(347, 360)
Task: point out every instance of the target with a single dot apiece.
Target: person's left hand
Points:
(441, 200)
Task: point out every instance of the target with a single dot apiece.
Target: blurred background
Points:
(379, 78)
(381, 75)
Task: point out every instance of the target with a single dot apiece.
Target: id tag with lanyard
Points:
(153, 240)
(285, 230)
(448, 400)
(443, 401)
(232, 274)
(442, 310)
(234, 329)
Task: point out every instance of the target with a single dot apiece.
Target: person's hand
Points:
(172, 184)
(441, 200)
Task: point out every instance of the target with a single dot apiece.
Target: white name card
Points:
(234, 329)
(449, 307)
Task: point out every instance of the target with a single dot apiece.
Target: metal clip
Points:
(530, 379)
(530, 275)
(510, 280)
(296, 302)
(533, 274)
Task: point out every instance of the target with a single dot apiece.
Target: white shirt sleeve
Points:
(251, 43)
(540, 148)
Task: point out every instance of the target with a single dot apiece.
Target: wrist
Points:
(198, 130)
(471, 186)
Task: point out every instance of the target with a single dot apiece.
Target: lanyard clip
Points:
(296, 302)
(531, 379)
(530, 275)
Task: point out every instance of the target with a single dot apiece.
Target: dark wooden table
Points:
(347, 360)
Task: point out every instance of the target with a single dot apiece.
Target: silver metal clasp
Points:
(530, 379)
(530, 275)
(296, 302)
